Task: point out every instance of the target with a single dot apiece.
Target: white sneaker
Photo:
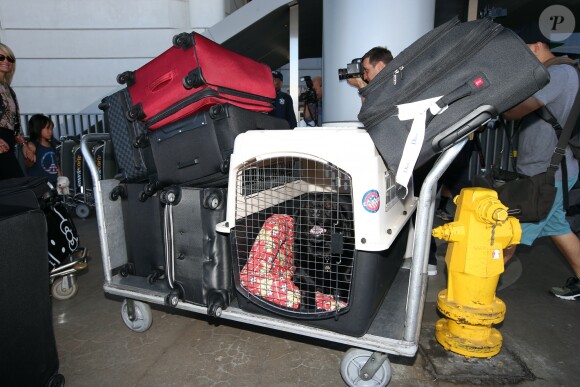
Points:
(431, 269)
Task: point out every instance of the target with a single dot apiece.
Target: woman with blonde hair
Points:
(10, 128)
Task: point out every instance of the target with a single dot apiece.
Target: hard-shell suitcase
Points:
(458, 76)
(193, 75)
(27, 339)
(143, 231)
(196, 149)
(130, 143)
(198, 261)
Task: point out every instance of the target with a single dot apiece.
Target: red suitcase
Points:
(193, 75)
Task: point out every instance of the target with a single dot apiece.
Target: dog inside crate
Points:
(295, 236)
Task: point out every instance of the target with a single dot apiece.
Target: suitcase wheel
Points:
(225, 166)
(213, 200)
(171, 196)
(217, 111)
(172, 299)
(103, 106)
(126, 77)
(183, 40)
(193, 79)
(135, 113)
(215, 304)
(118, 192)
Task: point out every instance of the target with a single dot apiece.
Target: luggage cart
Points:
(395, 329)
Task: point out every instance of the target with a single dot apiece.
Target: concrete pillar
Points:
(350, 29)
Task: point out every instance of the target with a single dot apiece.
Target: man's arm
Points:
(523, 109)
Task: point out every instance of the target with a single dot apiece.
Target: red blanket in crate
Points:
(270, 267)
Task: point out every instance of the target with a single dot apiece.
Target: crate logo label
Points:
(371, 201)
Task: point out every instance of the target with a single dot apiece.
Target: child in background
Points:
(43, 145)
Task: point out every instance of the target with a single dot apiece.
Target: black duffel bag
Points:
(528, 198)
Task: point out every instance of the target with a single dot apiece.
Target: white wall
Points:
(69, 52)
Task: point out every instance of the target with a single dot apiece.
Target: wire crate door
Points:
(294, 236)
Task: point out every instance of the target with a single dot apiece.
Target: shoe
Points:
(570, 291)
(443, 215)
(431, 268)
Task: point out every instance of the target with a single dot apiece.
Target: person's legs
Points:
(569, 246)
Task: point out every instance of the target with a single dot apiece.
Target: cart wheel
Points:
(61, 292)
(82, 210)
(354, 360)
(143, 316)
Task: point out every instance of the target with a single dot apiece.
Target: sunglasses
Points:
(4, 57)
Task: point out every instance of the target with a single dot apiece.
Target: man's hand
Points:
(356, 82)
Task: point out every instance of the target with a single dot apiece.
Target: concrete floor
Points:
(541, 337)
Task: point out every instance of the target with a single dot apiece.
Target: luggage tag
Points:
(416, 111)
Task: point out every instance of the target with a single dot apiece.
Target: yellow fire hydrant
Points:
(480, 232)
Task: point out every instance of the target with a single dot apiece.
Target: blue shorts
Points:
(554, 224)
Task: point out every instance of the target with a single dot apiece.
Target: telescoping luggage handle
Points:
(422, 113)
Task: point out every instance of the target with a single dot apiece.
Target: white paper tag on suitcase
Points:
(416, 111)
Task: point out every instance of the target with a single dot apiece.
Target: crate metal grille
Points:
(294, 236)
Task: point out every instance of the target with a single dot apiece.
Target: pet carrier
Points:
(312, 228)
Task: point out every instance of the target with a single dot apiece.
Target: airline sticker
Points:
(371, 201)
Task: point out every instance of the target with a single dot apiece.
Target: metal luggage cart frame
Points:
(395, 330)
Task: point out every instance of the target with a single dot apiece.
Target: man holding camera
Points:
(283, 104)
(376, 59)
(313, 106)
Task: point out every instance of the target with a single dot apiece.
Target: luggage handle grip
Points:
(161, 82)
(189, 163)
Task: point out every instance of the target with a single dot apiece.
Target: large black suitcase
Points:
(143, 232)
(479, 68)
(24, 193)
(130, 143)
(196, 150)
(198, 260)
(27, 342)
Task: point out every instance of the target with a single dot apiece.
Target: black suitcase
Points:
(196, 150)
(143, 232)
(198, 260)
(480, 69)
(24, 193)
(130, 143)
(27, 342)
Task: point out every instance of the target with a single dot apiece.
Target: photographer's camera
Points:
(354, 69)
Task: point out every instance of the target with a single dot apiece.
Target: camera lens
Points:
(342, 74)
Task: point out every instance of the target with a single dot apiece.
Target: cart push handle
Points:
(88, 155)
(423, 226)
